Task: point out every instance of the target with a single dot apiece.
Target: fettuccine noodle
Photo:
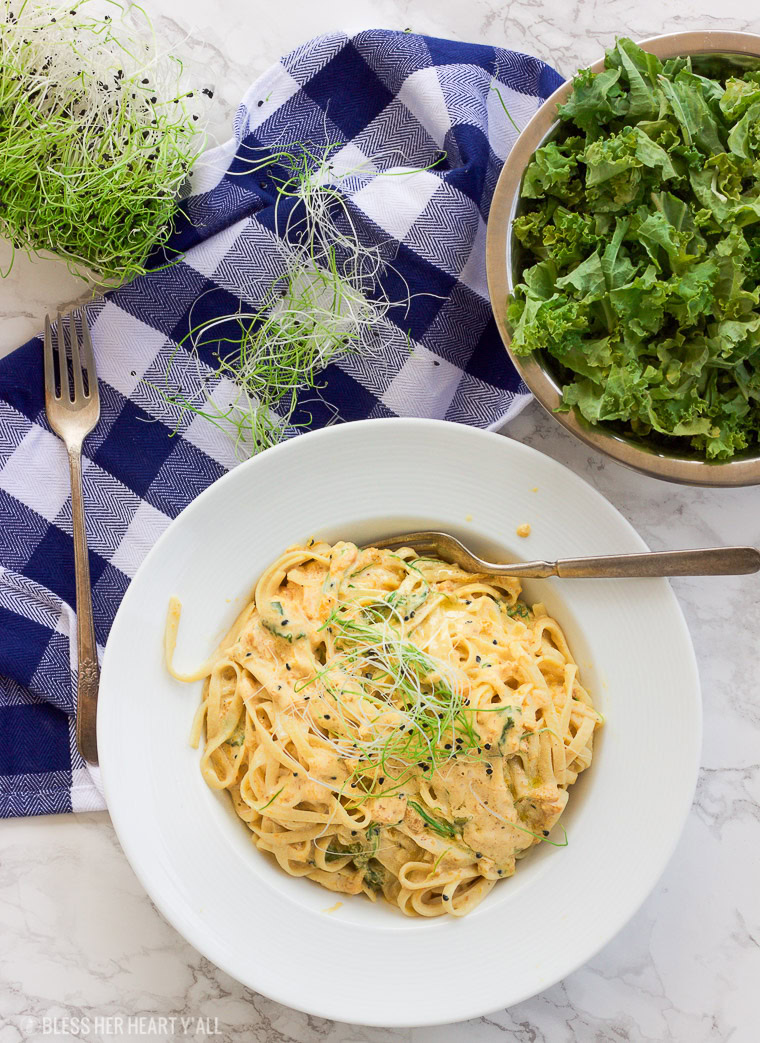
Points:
(392, 725)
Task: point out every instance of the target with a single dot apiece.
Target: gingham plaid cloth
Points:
(378, 93)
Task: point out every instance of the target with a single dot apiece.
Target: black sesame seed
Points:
(445, 898)
(477, 658)
(546, 832)
(489, 771)
(487, 745)
(353, 832)
(327, 716)
(287, 666)
(259, 103)
(478, 854)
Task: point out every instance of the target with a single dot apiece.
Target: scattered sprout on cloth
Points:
(327, 300)
(641, 251)
(98, 135)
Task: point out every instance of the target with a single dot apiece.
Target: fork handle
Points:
(715, 561)
(88, 673)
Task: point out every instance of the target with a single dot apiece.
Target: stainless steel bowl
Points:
(501, 258)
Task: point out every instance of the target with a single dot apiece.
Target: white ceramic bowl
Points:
(362, 962)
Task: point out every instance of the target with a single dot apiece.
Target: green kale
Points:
(238, 736)
(509, 723)
(640, 240)
(374, 875)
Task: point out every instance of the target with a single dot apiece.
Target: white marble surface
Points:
(79, 938)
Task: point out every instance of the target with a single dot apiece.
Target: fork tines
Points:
(74, 378)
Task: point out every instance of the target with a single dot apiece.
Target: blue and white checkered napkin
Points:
(379, 93)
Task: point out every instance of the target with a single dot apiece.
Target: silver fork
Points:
(713, 561)
(72, 414)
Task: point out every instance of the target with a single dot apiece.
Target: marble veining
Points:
(79, 936)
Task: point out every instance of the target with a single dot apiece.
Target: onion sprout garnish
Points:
(327, 301)
(438, 862)
(98, 135)
(507, 113)
(272, 799)
(397, 712)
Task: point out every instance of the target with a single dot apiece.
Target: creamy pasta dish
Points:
(392, 725)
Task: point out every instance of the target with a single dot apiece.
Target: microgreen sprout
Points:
(97, 135)
(327, 302)
(437, 862)
(507, 113)
(399, 711)
(272, 799)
